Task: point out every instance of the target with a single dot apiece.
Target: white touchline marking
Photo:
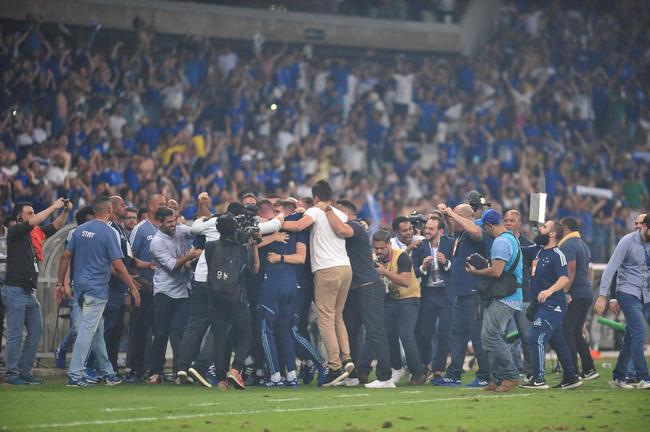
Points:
(282, 400)
(203, 404)
(412, 391)
(264, 411)
(127, 409)
(352, 395)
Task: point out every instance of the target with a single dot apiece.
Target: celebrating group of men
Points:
(233, 294)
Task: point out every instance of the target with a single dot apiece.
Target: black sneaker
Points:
(333, 377)
(535, 383)
(134, 377)
(590, 375)
(568, 384)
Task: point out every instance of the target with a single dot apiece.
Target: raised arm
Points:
(301, 224)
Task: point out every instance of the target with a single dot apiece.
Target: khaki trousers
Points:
(331, 288)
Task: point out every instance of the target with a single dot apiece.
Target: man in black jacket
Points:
(433, 270)
(19, 291)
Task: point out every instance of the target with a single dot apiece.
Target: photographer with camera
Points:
(502, 290)
(433, 271)
(171, 283)
(21, 306)
(405, 238)
(467, 310)
(228, 261)
(401, 305)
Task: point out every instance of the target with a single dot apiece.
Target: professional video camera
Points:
(477, 201)
(418, 221)
(248, 225)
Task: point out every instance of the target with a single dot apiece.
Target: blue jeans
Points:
(633, 339)
(68, 340)
(496, 317)
(466, 324)
(400, 318)
(90, 336)
(631, 372)
(22, 310)
(547, 328)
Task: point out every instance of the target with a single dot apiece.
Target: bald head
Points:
(464, 210)
(119, 209)
(512, 221)
(154, 202)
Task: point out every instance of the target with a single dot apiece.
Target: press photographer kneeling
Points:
(501, 290)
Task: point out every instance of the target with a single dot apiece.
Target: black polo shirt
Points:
(22, 266)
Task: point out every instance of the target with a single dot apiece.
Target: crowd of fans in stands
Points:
(554, 94)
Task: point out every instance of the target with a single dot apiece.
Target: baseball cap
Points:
(491, 217)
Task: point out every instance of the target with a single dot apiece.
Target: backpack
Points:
(226, 261)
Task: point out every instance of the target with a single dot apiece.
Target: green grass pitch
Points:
(168, 407)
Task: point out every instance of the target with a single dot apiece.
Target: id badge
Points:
(533, 268)
(453, 252)
(36, 266)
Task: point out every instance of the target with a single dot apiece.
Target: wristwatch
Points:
(281, 258)
(328, 208)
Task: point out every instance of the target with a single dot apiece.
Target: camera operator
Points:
(401, 306)
(506, 261)
(199, 320)
(437, 295)
(466, 316)
(141, 319)
(21, 306)
(228, 262)
(171, 283)
(97, 253)
(405, 238)
(365, 303)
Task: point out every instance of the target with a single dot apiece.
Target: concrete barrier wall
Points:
(242, 23)
(476, 22)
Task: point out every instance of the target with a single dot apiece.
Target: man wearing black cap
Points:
(505, 261)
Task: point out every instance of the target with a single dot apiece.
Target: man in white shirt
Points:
(403, 90)
(405, 238)
(332, 277)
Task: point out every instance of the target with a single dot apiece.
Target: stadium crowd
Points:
(188, 130)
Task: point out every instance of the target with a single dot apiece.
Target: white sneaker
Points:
(643, 384)
(397, 375)
(376, 384)
(349, 382)
(617, 383)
